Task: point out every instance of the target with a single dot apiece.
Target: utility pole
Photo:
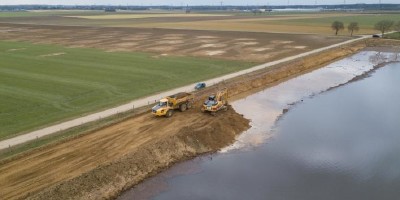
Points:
(380, 4)
(187, 9)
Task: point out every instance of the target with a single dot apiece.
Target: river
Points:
(335, 139)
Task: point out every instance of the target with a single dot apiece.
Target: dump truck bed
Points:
(180, 95)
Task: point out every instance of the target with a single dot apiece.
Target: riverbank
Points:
(105, 162)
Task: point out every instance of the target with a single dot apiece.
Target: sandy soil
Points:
(107, 161)
(231, 45)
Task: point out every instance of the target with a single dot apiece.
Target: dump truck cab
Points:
(161, 108)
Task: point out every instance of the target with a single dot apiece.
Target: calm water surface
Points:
(341, 144)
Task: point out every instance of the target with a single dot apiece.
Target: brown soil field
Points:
(262, 23)
(253, 25)
(231, 45)
(105, 162)
(124, 19)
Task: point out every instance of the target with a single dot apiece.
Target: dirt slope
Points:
(145, 136)
(101, 164)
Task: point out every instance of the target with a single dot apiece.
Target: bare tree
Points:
(384, 26)
(336, 25)
(353, 26)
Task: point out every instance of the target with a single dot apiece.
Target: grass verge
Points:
(69, 134)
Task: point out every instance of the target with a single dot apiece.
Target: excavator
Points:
(215, 103)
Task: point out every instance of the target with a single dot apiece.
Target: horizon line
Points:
(211, 5)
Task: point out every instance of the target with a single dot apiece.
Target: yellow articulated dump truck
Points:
(166, 106)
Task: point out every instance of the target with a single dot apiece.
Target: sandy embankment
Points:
(104, 163)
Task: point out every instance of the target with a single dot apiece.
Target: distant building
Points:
(110, 10)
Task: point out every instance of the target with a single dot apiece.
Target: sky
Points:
(190, 2)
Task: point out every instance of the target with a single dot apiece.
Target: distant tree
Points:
(353, 26)
(384, 26)
(336, 25)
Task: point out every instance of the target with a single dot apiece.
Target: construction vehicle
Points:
(215, 103)
(166, 106)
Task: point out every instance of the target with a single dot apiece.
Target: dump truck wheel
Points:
(189, 105)
(169, 113)
(182, 107)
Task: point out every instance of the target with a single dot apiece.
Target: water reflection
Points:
(265, 107)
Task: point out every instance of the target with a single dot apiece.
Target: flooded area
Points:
(312, 137)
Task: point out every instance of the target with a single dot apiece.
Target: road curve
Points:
(148, 100)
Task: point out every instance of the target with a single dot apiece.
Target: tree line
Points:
(383, 26)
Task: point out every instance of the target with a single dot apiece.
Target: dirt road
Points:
(151, 99)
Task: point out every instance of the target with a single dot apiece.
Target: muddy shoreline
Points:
(109, 178)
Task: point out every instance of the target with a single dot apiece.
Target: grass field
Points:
(23, 14)
(365, 21)
(49, 13)
(42, 84)
(292, 23)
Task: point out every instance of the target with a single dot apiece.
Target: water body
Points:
(339, 144)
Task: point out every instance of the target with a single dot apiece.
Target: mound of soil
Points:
(190, 140)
